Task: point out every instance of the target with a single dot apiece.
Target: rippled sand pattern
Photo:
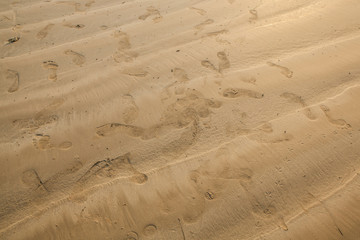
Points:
(180, 120)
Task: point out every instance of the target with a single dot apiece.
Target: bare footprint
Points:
(254, 15)
(77, 58)
(12, 76)
(42, 142)
(31, 124)
(298, 99)
(200, 11)
(250, 80)
(208, 64)
(65, 145)
(180, 75)
(151, 11)
(224, 63)
(131, 113)
(124, 41)
(283, 70)
(55, 104)
(89, 3)
(44, 32)
(135, 72)
(45, 116)
(124, 56)
(6, 18)
(222, 41)
(178, 86)
(202, 25)
(239, 92)
(123, 53)
(338, 122)
(150, 230)
(52, 67)
(79, 7)
(115, 166)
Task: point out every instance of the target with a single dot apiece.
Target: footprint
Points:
(151, 11)
(32, 180)
(42, 142)
(131, 236)
(12, 76)
(338, 122)
(224, 63)
(54, 105)
(6, 18)
(266, 127)
(65, 145)
(31, 124)
(44, 32)
(250, 80)
(124, 42)
(150, 230)
(202, 25)
(202, 12)
(233, 130)
(111, 128)
(283, 70)
(43, 117)
(239, 92)
(131, 113)
(178, 86)
(135, 72)
(188, 109)
(77, 58)
(123, 53)
(89, 3)
(254, 15)
(78, 6)
(139, 178)
(187, 139)
(112, 167)
(209, 65)
(52, 67)
(297, 99)
(180, 75)
(124, 56)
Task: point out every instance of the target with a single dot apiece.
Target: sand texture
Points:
(180, 119)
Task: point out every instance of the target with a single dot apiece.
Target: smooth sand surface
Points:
(191, 119)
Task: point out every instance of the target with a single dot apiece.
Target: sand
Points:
(191, 119)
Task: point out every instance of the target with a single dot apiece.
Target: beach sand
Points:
(191, 119)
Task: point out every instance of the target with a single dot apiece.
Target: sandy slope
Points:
(191, 119)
